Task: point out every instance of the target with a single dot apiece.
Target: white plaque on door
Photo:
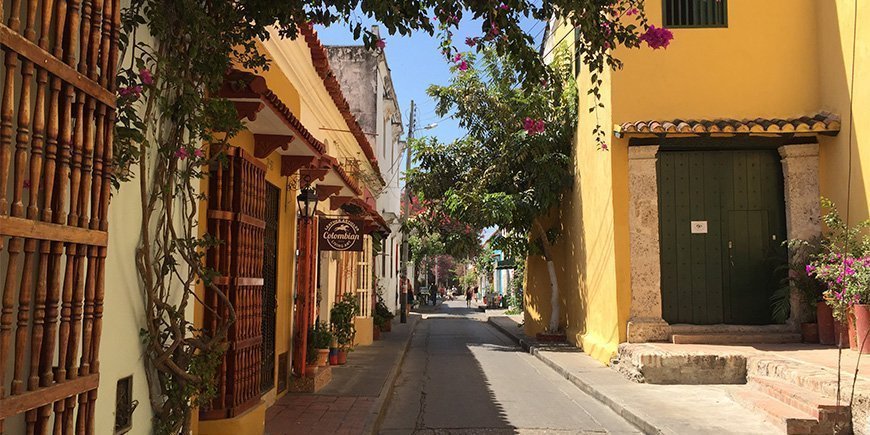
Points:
(699, 227)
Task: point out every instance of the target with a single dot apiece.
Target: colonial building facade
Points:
(717, 153)
(365, 77)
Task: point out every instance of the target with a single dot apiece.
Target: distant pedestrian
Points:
(474, 291)
(468, 295)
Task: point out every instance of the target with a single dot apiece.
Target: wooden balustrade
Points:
(56, 124)
(236, 213)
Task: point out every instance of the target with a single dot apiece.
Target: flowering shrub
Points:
(843, 265)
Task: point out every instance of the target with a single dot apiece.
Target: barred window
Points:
(695, 13)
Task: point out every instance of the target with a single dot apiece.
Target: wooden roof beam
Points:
(264, 144)
(290, 164)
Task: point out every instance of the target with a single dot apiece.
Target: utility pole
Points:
(406, 205)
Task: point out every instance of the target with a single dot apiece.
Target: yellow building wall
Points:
(591, 281)
(765, 64)
(845, 159)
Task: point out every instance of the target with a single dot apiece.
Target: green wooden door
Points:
(721, 221)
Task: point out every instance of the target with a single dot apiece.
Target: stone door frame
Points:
(800, 166)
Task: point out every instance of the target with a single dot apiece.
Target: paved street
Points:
(462, 376)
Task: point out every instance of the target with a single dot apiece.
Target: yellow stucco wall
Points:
(837, 34)
(776, 58)
(591, 281)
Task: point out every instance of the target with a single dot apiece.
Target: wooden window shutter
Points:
(57, 115)
(236, 217)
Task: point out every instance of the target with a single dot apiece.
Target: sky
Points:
(416, 63)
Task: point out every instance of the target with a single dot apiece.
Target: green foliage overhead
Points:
(515, 163)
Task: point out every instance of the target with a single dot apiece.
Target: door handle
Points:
(731, 252)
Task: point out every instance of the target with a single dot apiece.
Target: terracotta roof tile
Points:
(244, 84)
(823, 122)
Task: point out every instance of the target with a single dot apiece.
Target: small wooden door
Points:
(722, 223)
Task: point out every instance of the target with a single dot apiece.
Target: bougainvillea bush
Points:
(843, 266)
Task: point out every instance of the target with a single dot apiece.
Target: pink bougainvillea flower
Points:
(529, 125)
(381, 43)
(631, 11)
(458, 57)
(132, 92)
(540, 126)
(471, 42)
(657, 37)
(463, 65)
(146, 77)
(182, 153)
(810, 269)
(493, 29)
(198, 153)
(504, 7)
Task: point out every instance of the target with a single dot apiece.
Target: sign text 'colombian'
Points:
(341, 235)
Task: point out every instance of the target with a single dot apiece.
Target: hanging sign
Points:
(341, 234)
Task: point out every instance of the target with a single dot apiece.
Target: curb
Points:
(373, 421)
(632, 417)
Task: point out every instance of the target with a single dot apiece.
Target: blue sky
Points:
(415, 64)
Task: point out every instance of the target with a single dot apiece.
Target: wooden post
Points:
(303, 295)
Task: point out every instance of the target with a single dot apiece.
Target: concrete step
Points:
(744, 338)
(815, 379)
(790, 420)
(822, 408)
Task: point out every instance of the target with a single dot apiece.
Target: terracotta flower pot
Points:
(825, 317)
(333, 356)
(376, 333)
(862, 327)
(810, 332)
(322, 357)
(342, 357)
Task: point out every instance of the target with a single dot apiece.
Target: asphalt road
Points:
(462, 376)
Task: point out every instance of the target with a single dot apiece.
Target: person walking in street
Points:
(468, 295)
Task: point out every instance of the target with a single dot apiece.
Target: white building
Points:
(365, 79)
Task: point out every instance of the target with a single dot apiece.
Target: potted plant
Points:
(322, 340)
(843, 266)
(378, 322)
(333, 351)
(383, 315)
(341, 317)
(311, 355)
(795, 274)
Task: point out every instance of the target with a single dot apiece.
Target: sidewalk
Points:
(654, 409)
(352, 402)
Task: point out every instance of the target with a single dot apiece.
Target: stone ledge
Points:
(310, 384)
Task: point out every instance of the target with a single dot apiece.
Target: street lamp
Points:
(307, 202)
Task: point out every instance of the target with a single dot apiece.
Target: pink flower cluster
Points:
(133, 92)
(461, 64)
(183, 153)
(657, 37)
(846, 276)
(534, 126)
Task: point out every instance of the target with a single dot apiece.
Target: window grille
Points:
(270, 282)
(695, 13)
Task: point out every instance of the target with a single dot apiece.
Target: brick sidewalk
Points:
(301, 414)
(352, 401)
